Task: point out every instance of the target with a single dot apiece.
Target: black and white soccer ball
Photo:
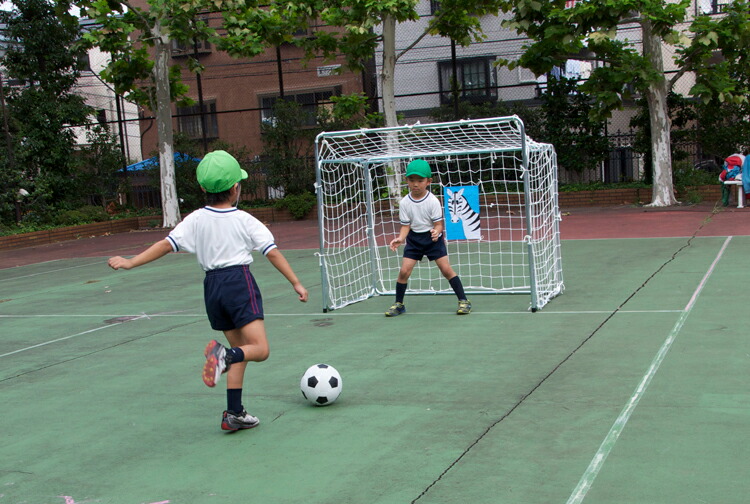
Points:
(321, 384)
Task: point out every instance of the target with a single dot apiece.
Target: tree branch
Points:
(410, 46)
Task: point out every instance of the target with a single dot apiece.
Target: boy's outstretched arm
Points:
(154, 252)
(280, 263)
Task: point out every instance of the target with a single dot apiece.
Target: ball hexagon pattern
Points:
(321, 384)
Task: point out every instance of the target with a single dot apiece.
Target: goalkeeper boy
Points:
(421, 217)
(222, 237)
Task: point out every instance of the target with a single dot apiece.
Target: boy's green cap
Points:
(219, 171)
(419, 167)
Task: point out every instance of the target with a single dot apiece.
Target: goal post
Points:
(498, 189)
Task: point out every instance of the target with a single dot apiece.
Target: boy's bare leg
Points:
(407, 266)
(444, 265)
(252, 339)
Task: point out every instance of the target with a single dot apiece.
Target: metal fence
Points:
(236, 120)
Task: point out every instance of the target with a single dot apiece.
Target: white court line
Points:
(334, 314)
(67, 337)
(584, 485)
(317, 315)
(50, 271)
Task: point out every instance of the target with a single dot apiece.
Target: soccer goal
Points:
(499, 192)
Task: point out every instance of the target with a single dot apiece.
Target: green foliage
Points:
(101, 159)
(131, 69)
(8, 230)
(348, 112)
(190, 192)
(589, 30)
(719, 128)
(722, 128)
(249, 29)
(254, 203)
(596, 186)
(717, 53)
(124, 212)
(533, 120)
(40, 148)
(287, 151)
(686, 175)
(564, 120)
(83, 215)
(11, 179)
(455, 19)
(298, 204)
(568, 125)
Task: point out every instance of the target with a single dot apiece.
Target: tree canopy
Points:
(589, 31)
(41, 107)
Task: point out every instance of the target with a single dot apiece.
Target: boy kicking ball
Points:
(223, 237)
(421, 217)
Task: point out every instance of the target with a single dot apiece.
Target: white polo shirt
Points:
(420, 215)
(221, 237)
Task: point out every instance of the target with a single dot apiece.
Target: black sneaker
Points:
(216, 362)
(231, 421)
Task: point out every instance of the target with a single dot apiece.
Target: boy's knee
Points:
(447, 271)
(403, 276)
(262, 354)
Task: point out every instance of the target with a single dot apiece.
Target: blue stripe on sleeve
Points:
(175, 247)
(269, 248)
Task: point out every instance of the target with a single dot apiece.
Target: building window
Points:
(179, 49)
(475, 78)
(573, 69)
(710, 6)
(310, 103)
(189, 120)
(84, 62)
(434, 6)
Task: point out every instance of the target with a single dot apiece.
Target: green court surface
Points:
(631, 387)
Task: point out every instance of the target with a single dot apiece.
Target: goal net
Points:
(498, 188)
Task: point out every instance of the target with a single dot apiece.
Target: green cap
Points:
(419, 167)
(219, 171)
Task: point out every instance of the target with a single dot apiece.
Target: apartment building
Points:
(423, 75)
(238, 94)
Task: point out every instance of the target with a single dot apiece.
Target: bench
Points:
(740, 192)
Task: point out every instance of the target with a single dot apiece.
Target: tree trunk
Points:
(388, 71)
(656, 96)
(169, 203)
(394, 171)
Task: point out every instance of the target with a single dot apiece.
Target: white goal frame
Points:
(359, 181)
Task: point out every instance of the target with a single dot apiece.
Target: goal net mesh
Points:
(498, 189)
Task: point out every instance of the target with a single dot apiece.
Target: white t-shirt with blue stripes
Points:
(422, 214)
(221, 237)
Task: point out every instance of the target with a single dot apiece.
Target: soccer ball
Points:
(321, 384)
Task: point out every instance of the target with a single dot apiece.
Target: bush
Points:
(595, 186)
(298, 204)
(687, 175)
(70, 218)
(83, 215)
(94, 213)
(254, 203)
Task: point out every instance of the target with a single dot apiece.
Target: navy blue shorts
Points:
(419, 245)
(232, 297)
